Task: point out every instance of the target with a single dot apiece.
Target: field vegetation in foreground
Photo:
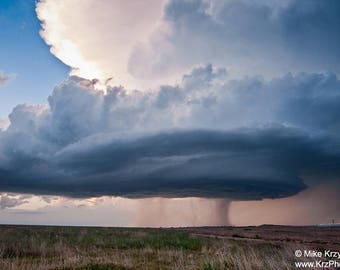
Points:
(96, 248)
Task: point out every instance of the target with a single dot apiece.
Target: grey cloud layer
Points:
(251, 37)
(12, 200)
(209, 136)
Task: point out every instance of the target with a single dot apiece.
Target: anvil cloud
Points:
(141, 44)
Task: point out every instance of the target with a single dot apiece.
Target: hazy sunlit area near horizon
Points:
(170, 113)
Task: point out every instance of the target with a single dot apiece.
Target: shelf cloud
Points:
(209, 136)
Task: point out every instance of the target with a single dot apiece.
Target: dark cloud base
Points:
(241, 164)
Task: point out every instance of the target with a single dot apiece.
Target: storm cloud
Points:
(249, 37)
(219, 131)
(145, 49)
(209, 136)
(74, 37)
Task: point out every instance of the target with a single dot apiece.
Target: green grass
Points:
(91, 248)
(36, 241)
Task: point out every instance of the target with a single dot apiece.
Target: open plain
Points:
(102, 248)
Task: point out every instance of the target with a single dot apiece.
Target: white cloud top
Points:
(144, 43)
(96, 38)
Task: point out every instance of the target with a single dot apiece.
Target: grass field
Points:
(93, 248)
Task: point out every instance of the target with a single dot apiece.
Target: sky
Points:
(169, 113)
(23, 55)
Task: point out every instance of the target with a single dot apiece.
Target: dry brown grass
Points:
(66, 248)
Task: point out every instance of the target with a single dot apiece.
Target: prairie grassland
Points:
(93, 248)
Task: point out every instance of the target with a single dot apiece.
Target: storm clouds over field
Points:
(235, 100)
